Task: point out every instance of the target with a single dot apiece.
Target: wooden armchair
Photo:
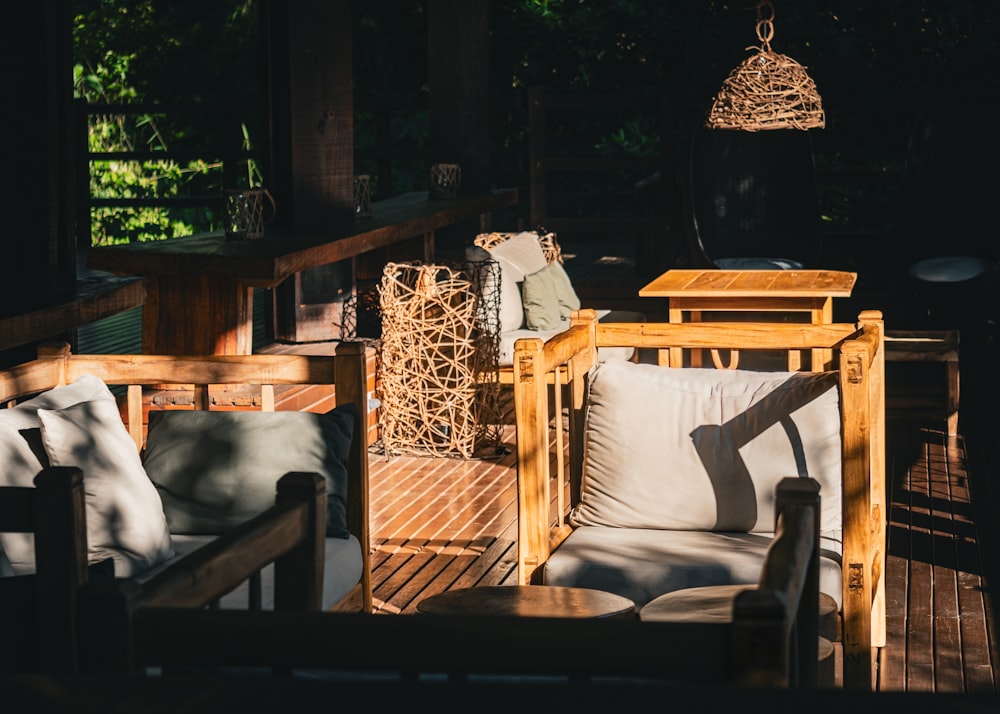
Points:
(650, 495)
(221, 560)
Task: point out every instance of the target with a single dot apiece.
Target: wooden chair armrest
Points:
(291, 534)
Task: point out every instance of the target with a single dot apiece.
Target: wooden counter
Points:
(199, 289)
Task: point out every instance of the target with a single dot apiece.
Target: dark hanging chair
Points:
(948, 242)
(753, 199)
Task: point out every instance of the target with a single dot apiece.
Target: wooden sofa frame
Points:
(548, 468)
(281, 532)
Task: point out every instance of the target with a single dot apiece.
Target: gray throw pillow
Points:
(217, 469)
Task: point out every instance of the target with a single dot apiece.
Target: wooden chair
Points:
(290, 535)
(283, 533)
(512, 320)
(550, 483)
(788, 652)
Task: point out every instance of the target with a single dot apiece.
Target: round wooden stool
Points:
(528, 601)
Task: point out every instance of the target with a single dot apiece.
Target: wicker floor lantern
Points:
(767, 90)
(438, 377)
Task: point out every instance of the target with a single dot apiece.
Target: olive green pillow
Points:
(568, 299)
(216, 469)
(548, 297)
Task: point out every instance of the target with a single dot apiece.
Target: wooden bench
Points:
(545, 476)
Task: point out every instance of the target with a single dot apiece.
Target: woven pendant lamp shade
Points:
(767, 90)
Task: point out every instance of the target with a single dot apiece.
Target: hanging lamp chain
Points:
(765, 25)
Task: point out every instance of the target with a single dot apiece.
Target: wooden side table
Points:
(693, 292)
(529, 601)
(926, 346)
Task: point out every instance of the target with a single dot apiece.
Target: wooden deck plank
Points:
(935, 575)
(892, 658)
(948, 494)
(463, 508)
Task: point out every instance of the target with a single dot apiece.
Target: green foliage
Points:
(874, 65)
(638, 137)
(138, 52)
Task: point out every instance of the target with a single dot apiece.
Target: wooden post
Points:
(311, 165)
(458, 100)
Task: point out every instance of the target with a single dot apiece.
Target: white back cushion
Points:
(521, 255)
(518, 256)
(703, 449)
(23, 456)
(125, 519)
(84, 428)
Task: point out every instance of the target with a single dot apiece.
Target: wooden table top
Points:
(267, 261)
(751, 283)
(528, 601)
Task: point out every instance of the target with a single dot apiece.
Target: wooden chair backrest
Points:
(858, 357)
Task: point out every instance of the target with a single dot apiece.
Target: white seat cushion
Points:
(644, 563)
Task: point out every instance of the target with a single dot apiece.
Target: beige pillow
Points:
(511, 307)
(520, 255)
(23, 456)
(125, 520)
(703, 449)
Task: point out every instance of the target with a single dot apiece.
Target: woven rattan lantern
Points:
(767, 90)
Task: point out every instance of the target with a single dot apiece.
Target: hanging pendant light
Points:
(767, 90)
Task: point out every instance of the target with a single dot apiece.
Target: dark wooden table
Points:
(199, 289)
(528, 601)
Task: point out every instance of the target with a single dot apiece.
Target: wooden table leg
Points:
(823, 315)
(675, 316)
